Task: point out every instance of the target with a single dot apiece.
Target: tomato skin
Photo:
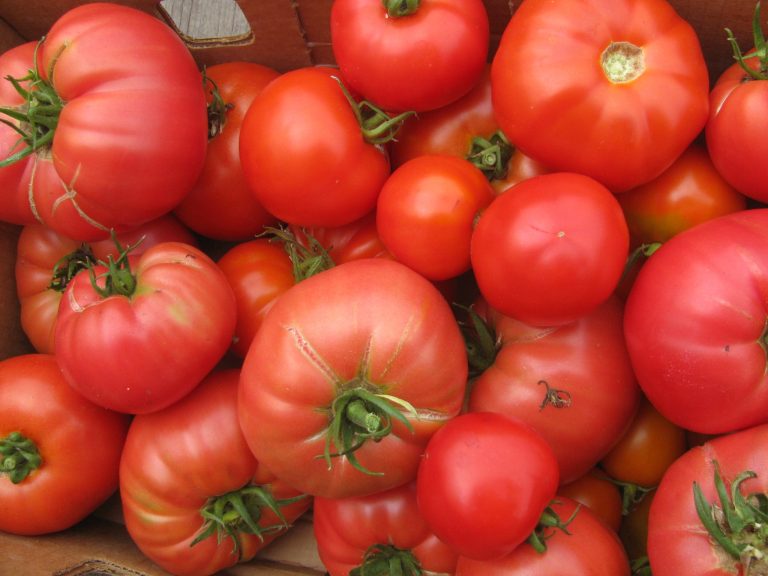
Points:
(484, 481)
(584, 363)
(403, 63)
(79, 443)
(565, 112)
(339, 330)
(173, 462)
(646, 449)
(599, 493)
(690, 191)
(735, 130)
(141, 353)
(426, 212)
(304, 155)
(346, 527)
(703, 367)
(589, 549)
(678, 543)
(550, 249)
(40, 248)
(220, 204)
(133, 99)
(258, 271)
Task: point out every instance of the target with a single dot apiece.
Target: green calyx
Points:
(118, 278)
(360, 414)
(307, 259)
(631, 494)
(377, 126)
(549, 521)
(400, 8)
(480, 341)
(760, 52)
(36, 119)
(217, 108)
(737, 523)
(239, 512)
(20, 457)
(68, 266)
(387, 560)
(491, 155)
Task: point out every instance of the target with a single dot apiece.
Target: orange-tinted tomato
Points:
(598, 492)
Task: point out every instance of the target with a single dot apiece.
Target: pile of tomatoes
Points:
(482, 314)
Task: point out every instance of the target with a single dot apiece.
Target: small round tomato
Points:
(690, 191)
(427, 210)
(550, 249)
(395, 53)
(483, 483)
(599, 493)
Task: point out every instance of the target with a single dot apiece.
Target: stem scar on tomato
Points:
(622, 62)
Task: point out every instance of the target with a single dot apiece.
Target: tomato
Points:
(426, 213)
(305, 155)
(599, 493)
(46, 261)
(646, 449)
(588, 548)
(483, 483)
(574, 383)
(220, 204)
(60, 452)
(258, 271)
(695, 325)
(395, 53)
(119, 121)
(162, 324)
(690, 191)
(375, 531)
(349, 375)
(550, 249)
(194, 499)
(634, 527)
(466, 128)
(736, 125)
(707, 516)
(613, 90)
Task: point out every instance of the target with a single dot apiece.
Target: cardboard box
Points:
(283, 34)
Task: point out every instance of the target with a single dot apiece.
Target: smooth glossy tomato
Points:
(484, 480)
(550, 249)
(585, 547)
(616, 90)
(59, 452)
(119, 124)
(194, 499)
(426, 213)
(395, 53)
(378, 533)
(349, 375)
(599, 493)
(220, 204)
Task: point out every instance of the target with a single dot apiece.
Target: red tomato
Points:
(574, 383)
(616, 90)
(351, 372)
(258, 271)
(369, 532)
(646, 449)
(680, 543)
(735, 131)
(395, 53)
(304, 153)
(599, 493)
(46, 261)
(690, 191)
(589, 548)
(130, 126)
(695, 325)
(550, 249)
(145, 347)
(220, 205)
(483, 483)
(426, 213)
(190, 486)
(60, 453)
(452, 129)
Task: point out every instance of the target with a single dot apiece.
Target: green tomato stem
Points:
(491, 155)
(400, 8)
(20, 457)
(387, 560)
(760, 52)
